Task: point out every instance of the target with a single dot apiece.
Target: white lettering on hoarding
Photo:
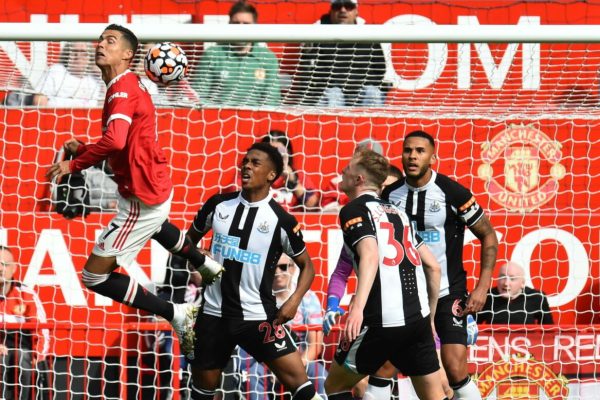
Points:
(496, 74)
(576, 348)
(565, 347)
(578, 260)
(585, 347)
(563, 344)
(579, 263)
(51, 242)
(438, 58)
(491, 348)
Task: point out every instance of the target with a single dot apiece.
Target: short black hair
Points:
(421, 134)
(242, 6)
(273, 153)
(128, 35)
(278, 136)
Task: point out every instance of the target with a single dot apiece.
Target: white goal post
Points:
(307, 33)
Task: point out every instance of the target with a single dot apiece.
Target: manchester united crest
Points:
(525, 150)
(521, 378)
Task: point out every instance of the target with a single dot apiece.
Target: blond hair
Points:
(375, 166)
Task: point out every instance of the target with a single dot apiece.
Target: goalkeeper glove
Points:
(333, 311)
(472, 330)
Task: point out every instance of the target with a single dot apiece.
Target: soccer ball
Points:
(166, 63)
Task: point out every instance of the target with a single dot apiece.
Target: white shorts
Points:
(130, 229)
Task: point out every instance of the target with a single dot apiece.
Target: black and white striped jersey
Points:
(440, 211)
(399, 293)
(248, 239)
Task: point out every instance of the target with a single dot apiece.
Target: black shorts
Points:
(410, 348)
(449, 325)
(216, 338)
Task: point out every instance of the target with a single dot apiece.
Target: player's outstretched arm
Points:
(433, 274)
(114, 139)
(58, 170)
(72, 146)
(335, 291)
(307, 274)
(339, 278)
(484, 231)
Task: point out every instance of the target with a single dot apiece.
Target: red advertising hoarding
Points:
(535, 176)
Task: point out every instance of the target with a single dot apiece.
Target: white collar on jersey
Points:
(256, 203)
(370, 193)
(116, 78)
(425, 186)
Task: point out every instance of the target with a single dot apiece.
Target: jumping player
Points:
(129, 142)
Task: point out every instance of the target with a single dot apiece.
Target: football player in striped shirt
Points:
(250, 232)
(397, 289)
(441, 210)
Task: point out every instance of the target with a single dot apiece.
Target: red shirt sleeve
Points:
(81, 149)
(114, 139)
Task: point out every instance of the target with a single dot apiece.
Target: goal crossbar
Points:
(388, 33)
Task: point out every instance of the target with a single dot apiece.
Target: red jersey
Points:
(22, 304)
(130, 142)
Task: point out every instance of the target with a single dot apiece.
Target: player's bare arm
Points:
(368, 253)
(58, 170)
(486, 234)
(72, 145)
(433, 273)
(305, 279)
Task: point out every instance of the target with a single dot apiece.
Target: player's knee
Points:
(334, 386)
(456, 370)
(90, 279)
(306, 391)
